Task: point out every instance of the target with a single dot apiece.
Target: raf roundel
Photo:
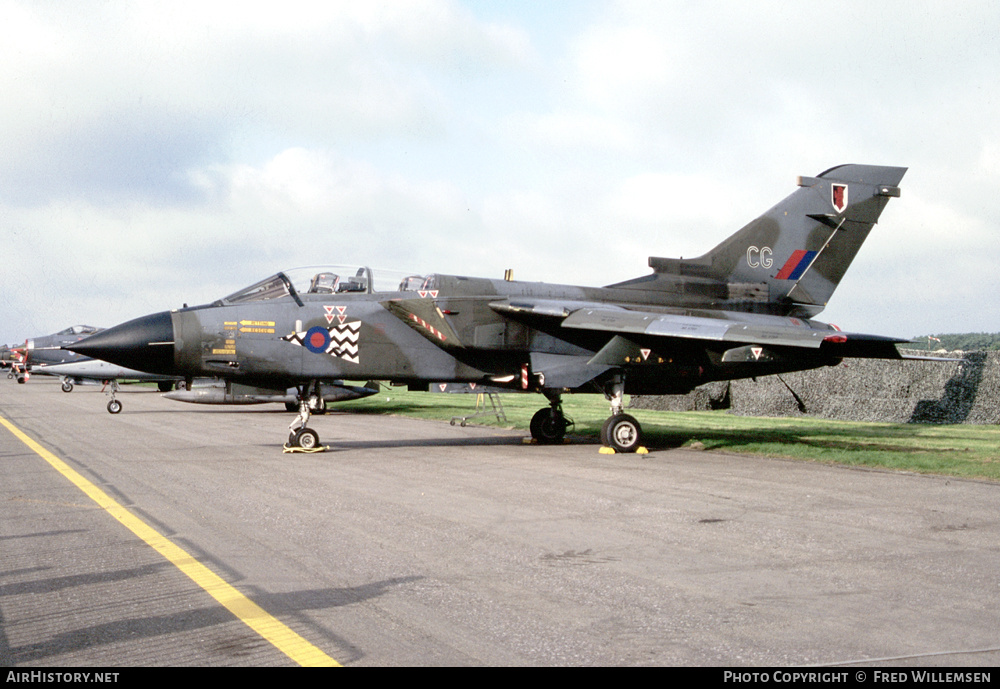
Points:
(317, 339)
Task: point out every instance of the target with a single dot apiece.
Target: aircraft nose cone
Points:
(145, 344)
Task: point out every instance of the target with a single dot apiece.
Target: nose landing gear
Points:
(114, 406)
(300, 437)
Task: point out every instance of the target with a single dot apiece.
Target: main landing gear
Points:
(621, 432)
(548, 426)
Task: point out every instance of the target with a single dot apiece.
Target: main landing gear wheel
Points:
(548, 426)
(114, 406)
(306, 438)
(622, 433)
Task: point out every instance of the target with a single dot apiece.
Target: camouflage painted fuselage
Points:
(743, 309)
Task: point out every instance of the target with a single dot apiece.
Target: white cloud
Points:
(570, 130)
(171, 85)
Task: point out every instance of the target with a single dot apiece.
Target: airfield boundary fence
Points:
(966, 391)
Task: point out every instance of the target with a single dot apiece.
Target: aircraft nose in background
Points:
(145, 344)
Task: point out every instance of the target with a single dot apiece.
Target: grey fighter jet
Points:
(743, 309)
(85, 369)
(51, 349)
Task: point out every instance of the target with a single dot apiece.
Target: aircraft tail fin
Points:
(792, 257)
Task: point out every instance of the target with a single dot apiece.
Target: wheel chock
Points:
(611, 451)
(288, 449)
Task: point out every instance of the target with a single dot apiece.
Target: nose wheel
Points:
(306, 438)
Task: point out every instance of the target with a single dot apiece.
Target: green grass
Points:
(956, 450)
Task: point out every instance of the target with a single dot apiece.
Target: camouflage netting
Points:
(967, 391)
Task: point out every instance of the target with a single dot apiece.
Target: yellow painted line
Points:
(255, 617)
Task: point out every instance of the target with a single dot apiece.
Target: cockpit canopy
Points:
(300, 282)
(78, 330)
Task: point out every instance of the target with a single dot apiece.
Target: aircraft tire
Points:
(604, 431)
(114, 407)
(165, 386)
(20, 380)
(291, 406)
(67, 386)
(548, 428)
(306, 438)
(622, 433)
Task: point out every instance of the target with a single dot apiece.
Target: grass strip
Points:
(954, 450)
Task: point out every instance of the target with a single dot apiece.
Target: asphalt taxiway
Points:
(421, 543)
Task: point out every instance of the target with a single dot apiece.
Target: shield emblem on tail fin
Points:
(838, 196)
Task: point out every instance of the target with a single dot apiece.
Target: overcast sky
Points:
(156, 153)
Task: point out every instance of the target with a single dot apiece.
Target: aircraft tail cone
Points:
(145, 344)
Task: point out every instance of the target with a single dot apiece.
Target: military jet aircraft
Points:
(85, 369)
(50, 349)
(743, 309)
(14, 359)
(47, 349)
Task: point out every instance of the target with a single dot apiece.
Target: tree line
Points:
(967, 342)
